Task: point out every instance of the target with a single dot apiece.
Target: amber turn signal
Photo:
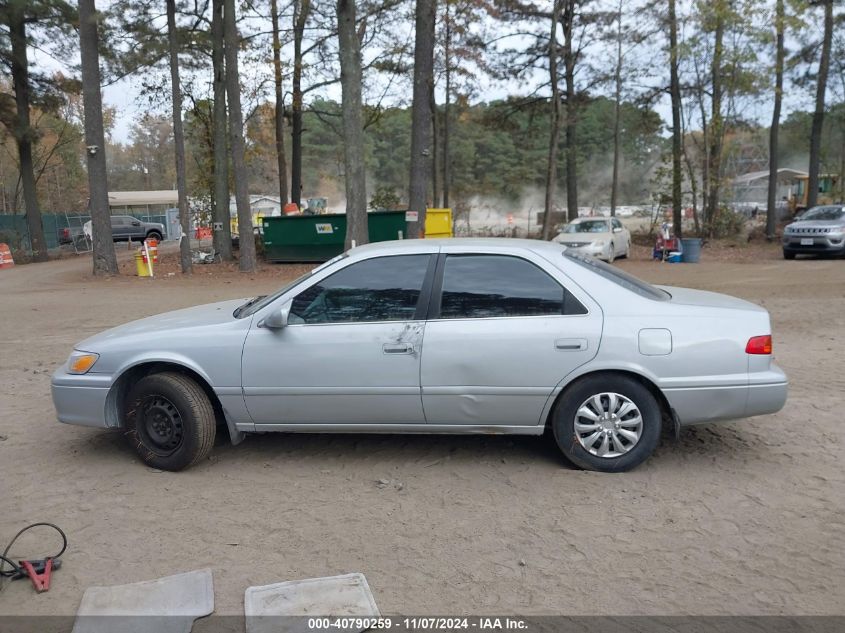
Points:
(81, 362)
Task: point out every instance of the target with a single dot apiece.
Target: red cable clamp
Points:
(41, 581)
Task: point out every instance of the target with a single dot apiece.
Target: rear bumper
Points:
(766, 393)
(82, 399)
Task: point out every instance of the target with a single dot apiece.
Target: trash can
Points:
(141, 266)
(691, 249)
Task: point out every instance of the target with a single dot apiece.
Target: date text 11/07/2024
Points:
(423, 623)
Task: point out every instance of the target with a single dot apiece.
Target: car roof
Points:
(467, 243)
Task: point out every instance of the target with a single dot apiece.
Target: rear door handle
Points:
(571, 344)
(397, 348)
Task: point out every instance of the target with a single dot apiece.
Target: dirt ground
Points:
(738, 518)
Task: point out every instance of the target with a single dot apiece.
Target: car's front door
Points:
(350, 353)
(502, 333)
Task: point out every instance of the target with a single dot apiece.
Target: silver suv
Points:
(820, 230)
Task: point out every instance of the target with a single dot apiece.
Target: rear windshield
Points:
(619, 277)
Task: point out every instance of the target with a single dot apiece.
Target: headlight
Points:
(81, 362)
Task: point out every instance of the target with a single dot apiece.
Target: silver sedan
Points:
(433, 336)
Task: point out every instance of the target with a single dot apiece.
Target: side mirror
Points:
(276, 320)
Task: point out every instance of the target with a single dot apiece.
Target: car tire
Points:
(788, 255)
(611, 254)
(170, 421)
(155, 235)
(582, 445)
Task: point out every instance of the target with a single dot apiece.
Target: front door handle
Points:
(397, 348)
(571, 344)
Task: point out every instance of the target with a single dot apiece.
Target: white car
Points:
(603, 238)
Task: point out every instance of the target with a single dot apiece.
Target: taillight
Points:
(759, 345)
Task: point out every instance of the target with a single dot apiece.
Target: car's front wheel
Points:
(607, 422)
(154, 235)
(170, 421)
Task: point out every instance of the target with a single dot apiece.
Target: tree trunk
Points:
(569, 56)
(279, 115)
(222, 217)
(236, 124)
(554, 135)
(435, 141)
(302, 8)
(771, 202)
(179, 140)
(716, 124)
(353, 124)
(677, 132)
(447, 69)
(105, 261)
(617, 108)
(24, 133)
(818, 114)
(421, 115)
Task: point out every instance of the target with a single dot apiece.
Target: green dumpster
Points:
(318, 238)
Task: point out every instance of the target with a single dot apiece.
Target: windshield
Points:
(587, 226)
(619, 277)
(257, 303)
(823, 213)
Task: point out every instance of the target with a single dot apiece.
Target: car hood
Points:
(704, 298)
(571, 238)
(208, 314)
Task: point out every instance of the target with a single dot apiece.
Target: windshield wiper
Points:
(249, 303)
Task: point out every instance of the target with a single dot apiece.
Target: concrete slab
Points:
(285, 607)
(164, 605)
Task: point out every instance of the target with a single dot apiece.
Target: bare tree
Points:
(179, 139)
(818, 114)
(105, 261)
(771, 194)
(15, 16)
(554, 134)
(246, 236)
(357, 231)
(719, 9)
(677, 131)
(301, 12)
(223, 236)
(279, 114)
(421, 135)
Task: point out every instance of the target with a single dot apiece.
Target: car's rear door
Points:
(119, 227)
(503, 330)
(350, 353)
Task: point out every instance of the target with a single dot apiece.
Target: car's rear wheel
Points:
(788, 255)
(154, 235)
(607, 422)
(170, 421)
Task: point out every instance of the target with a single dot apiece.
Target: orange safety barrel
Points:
(6, 260)
(152, 247)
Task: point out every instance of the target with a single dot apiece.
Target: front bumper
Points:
(81, 399)
(820, 243)
(765, 393)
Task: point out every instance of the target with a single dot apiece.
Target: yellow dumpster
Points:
(438, 222)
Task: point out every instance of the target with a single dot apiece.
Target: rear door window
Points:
(489, 286)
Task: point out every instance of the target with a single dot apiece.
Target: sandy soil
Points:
(740, 518)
